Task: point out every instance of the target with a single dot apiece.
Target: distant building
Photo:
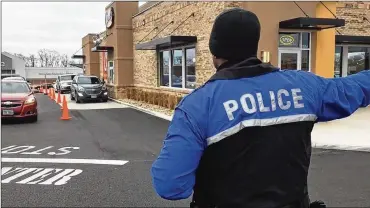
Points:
(12, 65)
(39, 75)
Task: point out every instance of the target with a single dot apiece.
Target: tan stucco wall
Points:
(91, 59)
(270, 14)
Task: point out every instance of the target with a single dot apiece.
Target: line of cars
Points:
(82, 87)
(18, 97)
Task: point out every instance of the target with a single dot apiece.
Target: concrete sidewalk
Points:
(351, 133)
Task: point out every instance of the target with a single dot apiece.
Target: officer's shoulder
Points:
(300, 74)
(196, 95)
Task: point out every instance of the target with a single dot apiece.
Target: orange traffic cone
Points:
(53, 91)
(58, 99)
(65, 113)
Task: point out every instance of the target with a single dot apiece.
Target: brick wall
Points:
(357, 16)
(145, 62)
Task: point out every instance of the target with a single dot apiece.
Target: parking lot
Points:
(103, 154)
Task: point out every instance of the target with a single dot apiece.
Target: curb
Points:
(340, 147)
(153, 113)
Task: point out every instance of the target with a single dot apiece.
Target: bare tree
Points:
(53, 58)
(44, 59)
(64, 60)
(32, 60)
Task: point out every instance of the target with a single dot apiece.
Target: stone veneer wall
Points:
(357, 16)
(146, 87)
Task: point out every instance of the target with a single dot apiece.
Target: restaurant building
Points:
(157, 53)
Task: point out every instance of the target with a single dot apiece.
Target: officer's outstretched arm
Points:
(173, 172)
(343, 96)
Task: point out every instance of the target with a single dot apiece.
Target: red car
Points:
(17, 100)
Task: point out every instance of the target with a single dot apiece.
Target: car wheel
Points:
(72, 98)
(105, 100)
(34, 119)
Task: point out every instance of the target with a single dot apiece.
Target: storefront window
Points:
(294, 51)
(305, 60)
(177, 69)
(111, 71)
(176, 72)
(190, 68)
(358, 59)
(164, 68)
(306, 40)
(338, 61)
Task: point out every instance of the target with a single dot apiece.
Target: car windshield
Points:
(15, 87)
(66, 78)
(88, 80)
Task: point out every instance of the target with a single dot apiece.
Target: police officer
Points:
(243, 139)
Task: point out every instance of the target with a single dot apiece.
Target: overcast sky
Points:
(30, 26)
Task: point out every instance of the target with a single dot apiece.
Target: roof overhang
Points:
(350, 39)
(169, 41)
(102, 49)
(309, 23)
(78, 56)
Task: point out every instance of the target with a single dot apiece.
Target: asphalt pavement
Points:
(110, 150)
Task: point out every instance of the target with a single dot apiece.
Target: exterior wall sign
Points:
(109, 17)
(289, 40)
(54, 73)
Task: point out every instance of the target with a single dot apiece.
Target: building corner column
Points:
(325, 42)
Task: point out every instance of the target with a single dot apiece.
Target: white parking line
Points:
(61, 160)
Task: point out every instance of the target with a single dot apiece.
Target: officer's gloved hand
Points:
(317, 204)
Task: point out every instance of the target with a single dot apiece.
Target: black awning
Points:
(308, 23)
(102, 49)
(350, 39)
(169, 41)
(78, 56)
(77, 65)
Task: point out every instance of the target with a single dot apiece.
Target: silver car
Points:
(64, 82)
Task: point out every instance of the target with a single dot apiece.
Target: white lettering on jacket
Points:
(251, 103)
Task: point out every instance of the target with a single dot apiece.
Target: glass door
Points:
(290, 59)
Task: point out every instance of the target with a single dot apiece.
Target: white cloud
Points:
(30, 26)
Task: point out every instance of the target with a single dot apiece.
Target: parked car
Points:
(17, 100)
(64, 82)
(86, 88)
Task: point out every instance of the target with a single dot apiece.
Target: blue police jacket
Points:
(243, 138)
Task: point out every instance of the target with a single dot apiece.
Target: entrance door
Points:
(290, 59)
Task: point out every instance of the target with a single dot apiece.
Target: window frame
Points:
(110, 72)
(344, 56)
(298, 49)
(183, 71)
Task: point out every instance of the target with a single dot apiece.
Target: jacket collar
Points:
(250, 67)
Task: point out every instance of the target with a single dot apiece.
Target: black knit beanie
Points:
(235, 35)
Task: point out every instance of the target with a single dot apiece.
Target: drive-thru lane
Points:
(111, 151)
